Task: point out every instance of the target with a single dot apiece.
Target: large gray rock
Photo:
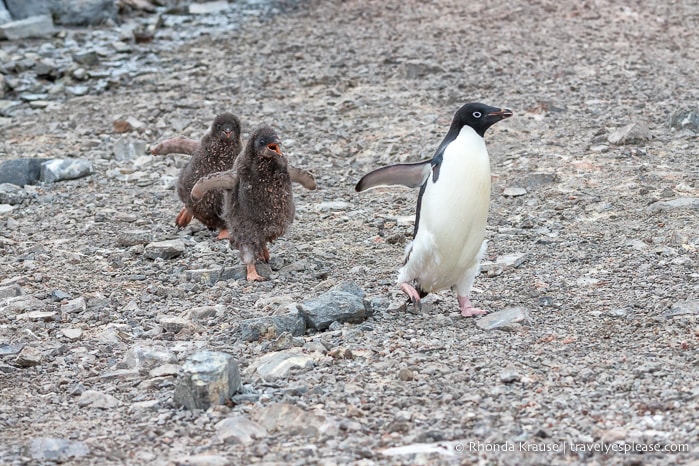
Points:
(272, 326)
(55, 450)
(83, 12)
(344, 303)
(64, 169)
(21, 172)
(207, 378)
(5, 17)
(21, 9)
(35, 26)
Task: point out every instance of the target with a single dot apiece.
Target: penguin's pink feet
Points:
(467, 309)
(411, 292)
(183, 218)
(223, 234)
(252, 275)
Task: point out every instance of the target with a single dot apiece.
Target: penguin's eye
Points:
(476, 114)
(218, 127)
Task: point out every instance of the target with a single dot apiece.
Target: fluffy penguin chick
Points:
(259, 205)
(216, 152)
(452, 208)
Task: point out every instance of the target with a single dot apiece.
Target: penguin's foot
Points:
(223, 234)
(412, 293)
(467, 309)
(252, 275)
(183, 218)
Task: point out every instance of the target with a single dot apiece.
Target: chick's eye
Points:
(218, 127)
(476, 114)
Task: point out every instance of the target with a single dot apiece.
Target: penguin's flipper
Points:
(219, 180)
(302, 177)
(412, 175)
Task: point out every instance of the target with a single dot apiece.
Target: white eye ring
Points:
(476, 114)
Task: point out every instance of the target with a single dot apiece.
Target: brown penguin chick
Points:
(259, 204)
(217, 152)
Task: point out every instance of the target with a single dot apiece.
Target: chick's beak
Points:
(274, 147)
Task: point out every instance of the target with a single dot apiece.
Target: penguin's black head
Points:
(266, 144)
(479, 116)
(226, 126)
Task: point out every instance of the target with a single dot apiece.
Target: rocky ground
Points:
(592, 235)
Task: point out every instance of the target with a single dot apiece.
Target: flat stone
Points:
(38, 315)
(6, 209)
(74, 305)
(683, 308)
(64, 169)
(166, 370)
(204, 460)
(273, 366)
(207, 8)
(72, 333)
(270, 327)
(503, 319)
(29, 357)
(239, 430)
(504, 262)
(32, 27)
(334, 305)
(164, 249)
(334, 205)
(510, 375)
(97, 399)
(148, 357)
(633, 133)
(675, 204)
(207, 378)
(514, 191)
(55, 450)
(203, 313)
(9, 349)
(148, 405)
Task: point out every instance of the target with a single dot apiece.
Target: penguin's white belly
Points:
(453, 217)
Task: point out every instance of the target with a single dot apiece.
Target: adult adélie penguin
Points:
(452, 208)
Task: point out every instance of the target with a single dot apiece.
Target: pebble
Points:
(273, 366)
(203, 460)
(97, 399)
(292, 420)
(503, 320)
(29, 357)
(130, 238)
(127, 148)
(510, 375)
(685, 119)
(173, 324)
(634, 133)
(55, 450)
(514, 191)
(206, 8)
(239, 430)
(74, 305)
(10, 291)
(333, 205)
(166, 370)
(504, 262)
(72, 333)
(168, 249)
(406, 374)
(203, 313)
(334, 305)
(12, 194)
(207, 379)
(271, 327)
(148, 357)
(38, 315)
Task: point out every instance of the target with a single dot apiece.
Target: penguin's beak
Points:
(227, 133)
(499, 115)
(274, 147)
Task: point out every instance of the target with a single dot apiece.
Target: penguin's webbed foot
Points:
(467, 309)
(252, 275)
(183, 218)
(413, 295)
(223, 234)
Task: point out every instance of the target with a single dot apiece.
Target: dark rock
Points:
(47, 69)
(55, 450)
(5, 17)
(334, 305)
(272, 326)
(21, 9)
(207, 378)
(685, 119)
(164, 249)
(21, 172)
(83, 12)
(89, 58)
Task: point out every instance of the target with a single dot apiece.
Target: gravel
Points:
(603, 353)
